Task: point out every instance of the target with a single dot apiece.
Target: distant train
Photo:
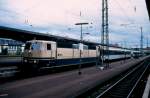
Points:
(136, 54)
(48, 54)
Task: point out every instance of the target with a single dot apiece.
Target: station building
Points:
(11, 47)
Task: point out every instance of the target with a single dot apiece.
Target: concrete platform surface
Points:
(63, 85)
(146, 93)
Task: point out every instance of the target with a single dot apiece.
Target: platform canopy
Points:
(24, 35)
(148, 7)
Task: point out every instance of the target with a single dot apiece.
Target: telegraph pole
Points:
(105, 33)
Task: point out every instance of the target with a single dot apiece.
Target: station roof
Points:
(24, 35)
(148, 7)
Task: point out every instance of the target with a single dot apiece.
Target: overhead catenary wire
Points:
(124, 11)
(130, 19)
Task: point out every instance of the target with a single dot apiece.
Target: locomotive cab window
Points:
(48, 46)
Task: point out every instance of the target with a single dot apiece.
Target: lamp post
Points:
(81, 45)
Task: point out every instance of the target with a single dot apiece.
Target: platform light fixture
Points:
(81, 44)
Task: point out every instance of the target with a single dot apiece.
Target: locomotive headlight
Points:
(25, 61)
(34, 61)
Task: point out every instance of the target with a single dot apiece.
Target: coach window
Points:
(48, 46)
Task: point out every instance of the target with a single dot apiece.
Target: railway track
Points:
(125, 86)
(8, 71)
(122, 86)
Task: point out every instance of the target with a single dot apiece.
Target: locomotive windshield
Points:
(32, 46)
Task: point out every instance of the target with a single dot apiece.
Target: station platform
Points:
(66, 84)
(146, 93)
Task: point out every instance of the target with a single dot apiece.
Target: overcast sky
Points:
(58, 17)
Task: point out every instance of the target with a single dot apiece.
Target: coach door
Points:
(98, 51)
(53, 50)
